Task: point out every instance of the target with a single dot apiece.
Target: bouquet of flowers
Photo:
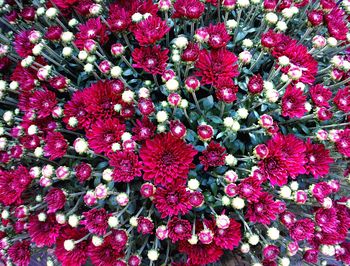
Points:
(140, 132)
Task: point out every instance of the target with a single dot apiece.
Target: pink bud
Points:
(206, 236)
(105, 66)
(45, 182)
(174, 99)
(205, 132)
(117, 49)
(300, 197)
(231, 190)
(192, 84)
(168, 75)
(62, 172)
(101, 191)
(90, 198)
(230, 176)
(147, 190)
(266, 121)
(90, 45)
(177, 128)
(162, 232)
(261, 151)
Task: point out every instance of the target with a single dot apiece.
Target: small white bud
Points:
(69, 245)
(162, 116)
(238, 203)
(193, 184)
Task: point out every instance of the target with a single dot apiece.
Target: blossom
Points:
(302, 229)
(342, 99)
(264, 210)
(343, 142)
(92, 29)
(191, 53)
(215, 65)
(126, 166)
(213, 156)
(56, 145)
(83, 172)
(255, 84)
(12, 184)
(79, 254)
(119, 19)
(150, 30)
(55, 200)
(320, 95)
(230, 237)
(166, 159)
(105, 254)
(172, 200)
(19, 253)
(44, 233)
(293, 102)
(22, 44)
(218, 36)
(189, 9)
(42, 102)
(145, 225)
(151, 59)
(96, 221)
(179, 229)
(104, 133)
(318, 159)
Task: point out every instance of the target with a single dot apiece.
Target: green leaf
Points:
(208, 102)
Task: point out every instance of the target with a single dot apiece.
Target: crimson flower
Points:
(151, 59)
(19, 253)
(166, 159)
(126, 166)
(293, 102)
(189, 9)
(213, 156)
(96, 221)
(55, 200)
(179, 229)
(150, 30)
(56, 145)
(43, 233)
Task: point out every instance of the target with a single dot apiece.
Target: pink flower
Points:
(230, 237)
(302, 229)
(218, 36)
(56, 145)
(342, 99)
(256, 84)
(92, 29)
(166, 159)
(96, 221)
(151, 59)
(19, 253)
(55, 200)
(215, 65)
(43, 233)
(172, 200)
(213, 156)
(293, 102)
(320, 95)
(150, 30)
(179, 229)
(189, 9)
(343, 143)
(126, 166)
(145, 225)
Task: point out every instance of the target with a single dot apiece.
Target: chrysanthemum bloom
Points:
(337, 23)
(83, 172)
(318, 159)
(19, 253)
(104, 133)
(119, 19)
(226, 90)
(213, 156)
(264, 210)
(167, 159)
(255, 84)
(126, 166)
(342, 99)
(191, 53)
(53, 33)
(12, 184)
(172, 200)
(106, 253)
(302, 229)
(96, 221)
(151, 59)
(293, 102)
(79, 254)
(218, 36)
(42, 102)
(22, 44)
(320, 95)
(55, 200)
(55, 145)
(145, 225)
(92, 29)
(215, 65)
(327, 220)
(250, 188)
(343, 144)
(150, 30)
(230, 237)
(179, 229)
(43, 233)
(144, 129)
(189, 9)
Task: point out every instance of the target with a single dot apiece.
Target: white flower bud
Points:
(116, 72)
(242, 113)
(184, 103)
(107, 174)
(245, 57)
(243, 3)
(332, 42)
(238, 203)
(284, 78)
(176, 58)
(144, 92)
(5, 214)
(80, 145)
(88, 68)
(283, 61)
(73, 22)
(228, 122)
(273, 233)
(193, 184)
(272, 95)
(245, 248)
(172, 84)
(67, 51)
(161, 128)
(235, 126)
(8, 116)
(128, 96)
(51, 13)
(133, 221)
(42, 217)
(37, 49)
(231, 24)
(67, 36)
(230, 160)
(97, 241)
(152, 255)
(38, 152)
(253, 239)
(113, 222)
(295, 10)
(137, 17)
(69, 245)
(248, 43)
(281, 26)
(73, 220)
(294, 185)
(83, 55)
(13, 85)
(40, 11)
(284, 261)
(162, 116)
(181, 42)
(193, 240)
(268, 85)
(285, 192)
(271, 18)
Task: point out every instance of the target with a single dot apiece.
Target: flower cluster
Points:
(172, 132)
